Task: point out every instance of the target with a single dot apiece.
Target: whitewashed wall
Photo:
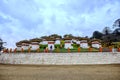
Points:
(25, 47)
(96, 45)
(19, 48)
(78, 42)
(60, 58)
(44, 42)
(84, 45)
(34, 47)
(68, 45)
(57, 42)
(49, 45)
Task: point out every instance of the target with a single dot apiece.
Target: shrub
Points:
(57, 45)
(75, 45)
(43, 46)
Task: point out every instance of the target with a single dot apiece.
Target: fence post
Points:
(68, 50)
(10, 50)
(90, 49)
(29, 50)
(15, 50)
(22, 50)
(110, 49)
(118, 49)
(100, 49)
(78, 49)
(38, 50)
(46, 50)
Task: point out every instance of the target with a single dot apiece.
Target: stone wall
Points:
(60, 58)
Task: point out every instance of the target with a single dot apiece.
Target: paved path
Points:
(42, 72)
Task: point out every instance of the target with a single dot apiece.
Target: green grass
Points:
(63, 50)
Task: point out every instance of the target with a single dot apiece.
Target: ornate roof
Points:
(50, 39)
(67, 38)
(84, 38)
(92, 40)
(23, 41)
(18, 43)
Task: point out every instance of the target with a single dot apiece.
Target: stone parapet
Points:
(61, 58)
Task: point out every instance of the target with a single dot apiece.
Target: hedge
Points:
(43, 46)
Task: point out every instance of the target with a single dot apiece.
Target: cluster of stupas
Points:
(52, 40)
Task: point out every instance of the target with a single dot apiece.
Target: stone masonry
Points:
(60, 58)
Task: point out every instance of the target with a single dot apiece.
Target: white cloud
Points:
(25, 19)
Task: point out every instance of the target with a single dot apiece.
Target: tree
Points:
(1, 44)
(55, 36)
(68, 36)
(35, 40)
(107, 31)
(24, 41)
(97, 35)
(116, 23)
(44, 37)
(117, 32)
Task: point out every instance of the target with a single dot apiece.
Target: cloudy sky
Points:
(26, 19)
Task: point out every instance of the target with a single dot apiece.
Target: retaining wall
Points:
(60, 58)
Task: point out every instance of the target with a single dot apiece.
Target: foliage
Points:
(43, 46)
(116, 23)
(97, 35)
(116, 44)
(68, 36)
(62, 42)
(117, 31)
(75, 45)
(107, 30)
(55, 36)
(44, 37)
(63, 50)
(57, 46)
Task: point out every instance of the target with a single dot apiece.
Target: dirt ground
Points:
(47, 72)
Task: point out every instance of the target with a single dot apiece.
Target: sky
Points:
(27, 19)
